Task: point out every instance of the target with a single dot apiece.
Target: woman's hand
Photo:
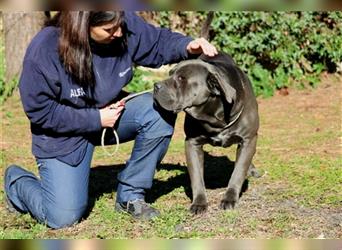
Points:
(110, 114)
(201, 45)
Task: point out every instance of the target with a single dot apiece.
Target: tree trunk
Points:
(19, 29)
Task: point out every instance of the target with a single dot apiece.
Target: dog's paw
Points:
(230, 199)
(198, 208)
(199, 204)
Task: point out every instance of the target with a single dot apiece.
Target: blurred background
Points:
(277, 49)
(174, 4)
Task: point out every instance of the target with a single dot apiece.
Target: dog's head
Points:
(190, 84)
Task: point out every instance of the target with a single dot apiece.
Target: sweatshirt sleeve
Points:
(39, 95)
(153, 46)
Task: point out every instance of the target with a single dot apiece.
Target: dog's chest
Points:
(224, 139)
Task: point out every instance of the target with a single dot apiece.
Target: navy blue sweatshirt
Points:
(62, 113)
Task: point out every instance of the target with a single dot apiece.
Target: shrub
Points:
(140, 81)
(2, 72)
(6, 88)
(276, 49)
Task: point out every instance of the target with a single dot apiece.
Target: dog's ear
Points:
(213, 84)
(218, 84)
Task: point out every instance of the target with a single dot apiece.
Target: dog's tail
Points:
(205, 31)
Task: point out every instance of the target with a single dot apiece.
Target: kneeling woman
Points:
(71, 85)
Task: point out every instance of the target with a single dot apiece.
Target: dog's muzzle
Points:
(157, 88)
(164, 98)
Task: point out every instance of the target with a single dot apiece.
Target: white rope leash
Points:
(117, 142)
(127, 98)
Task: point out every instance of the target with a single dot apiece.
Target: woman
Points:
(71, 85)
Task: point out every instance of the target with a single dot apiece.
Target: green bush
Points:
(140, 81)
(276, 49)
(2, 84)
(280, 48)
(6, 88)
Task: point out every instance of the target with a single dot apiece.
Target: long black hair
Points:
(74, 42)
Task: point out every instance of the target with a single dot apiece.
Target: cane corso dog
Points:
(221, 110)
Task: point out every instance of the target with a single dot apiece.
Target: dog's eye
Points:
(181, 78)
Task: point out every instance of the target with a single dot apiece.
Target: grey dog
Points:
(221, 110)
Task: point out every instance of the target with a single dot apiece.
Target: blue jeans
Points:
(59, 197)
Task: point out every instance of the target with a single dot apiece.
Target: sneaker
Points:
(9, 205)
(139, 209)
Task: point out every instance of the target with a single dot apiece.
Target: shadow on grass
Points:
(217, 172)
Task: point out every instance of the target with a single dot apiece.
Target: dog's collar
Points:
(235, 119)
(237, 116)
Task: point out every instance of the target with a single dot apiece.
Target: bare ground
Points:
(291, 121)
(298, 131)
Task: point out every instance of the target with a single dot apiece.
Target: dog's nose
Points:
(157, 86)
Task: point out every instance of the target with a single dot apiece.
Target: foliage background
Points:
(276, 49)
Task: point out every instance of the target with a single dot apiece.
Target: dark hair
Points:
(74, 42)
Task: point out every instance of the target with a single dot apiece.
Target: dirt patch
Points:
(298, 121)
(304, 113)
(299, 136)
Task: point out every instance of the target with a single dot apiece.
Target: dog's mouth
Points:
(167, 107)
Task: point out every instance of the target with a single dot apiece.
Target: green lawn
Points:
(298, 196)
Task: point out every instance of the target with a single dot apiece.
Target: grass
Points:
(299, 195)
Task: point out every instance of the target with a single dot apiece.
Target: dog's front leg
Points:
(243, 161)
(195, 161)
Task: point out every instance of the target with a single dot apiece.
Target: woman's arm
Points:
(39, 98)
(153, 46)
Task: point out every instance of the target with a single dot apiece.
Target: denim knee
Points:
(60, 218)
